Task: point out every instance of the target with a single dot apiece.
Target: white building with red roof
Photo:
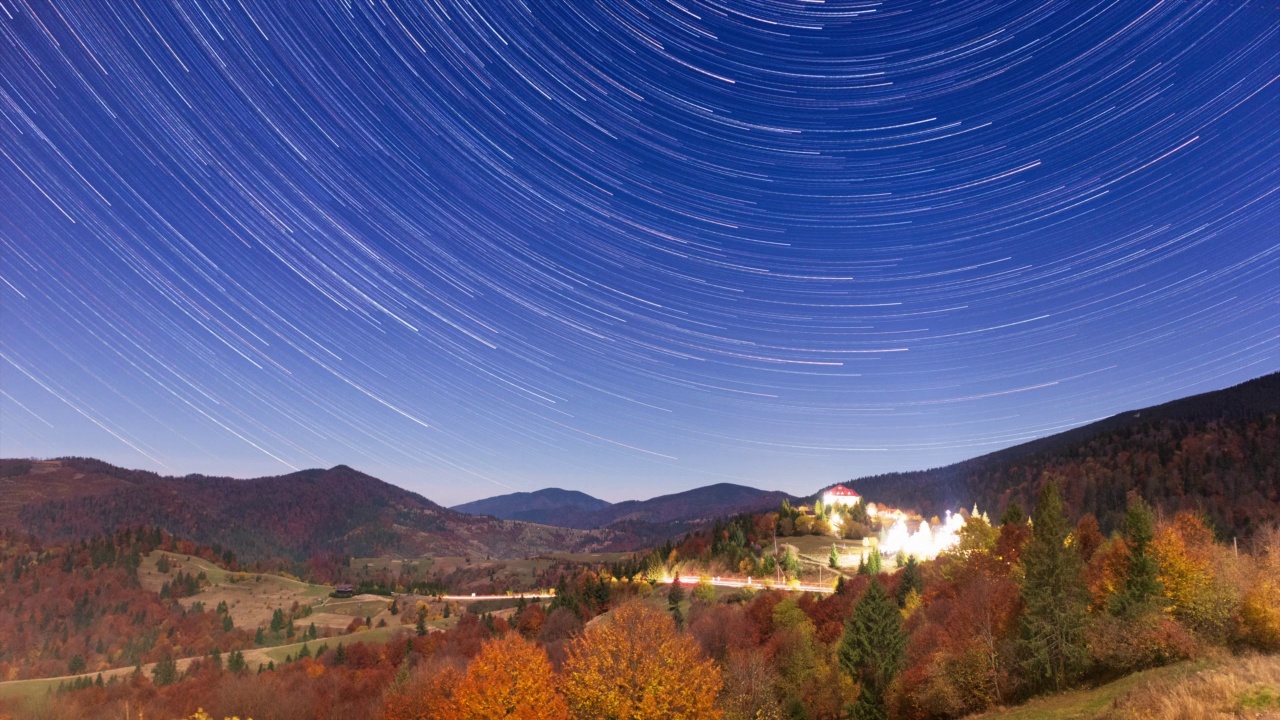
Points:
(840, 495)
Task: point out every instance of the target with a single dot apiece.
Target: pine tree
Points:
(910, 580)
(873, 649)
(834, 558)
(675, 596)
(1141, 582)
(165, 672)
(1013, 515)
(235, 661)
(874, 562)
(1056, 598)
(340, 655)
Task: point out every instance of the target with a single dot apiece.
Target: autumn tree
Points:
(1087, 537)
(427, 693)
(510, 678)
(635, 667)
(1260, 609)
(1191, 566)
(872, 649)
(1055, 595)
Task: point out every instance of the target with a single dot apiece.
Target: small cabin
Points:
(344, 591)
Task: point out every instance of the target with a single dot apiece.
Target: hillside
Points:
(1217, 452)
(704, 503)
(551, 506)
(657, 518)
(295, 516)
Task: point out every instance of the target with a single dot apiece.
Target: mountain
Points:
(551, 506)
(660, 517)
(704, 503)
(294, 516)
(1217, 453)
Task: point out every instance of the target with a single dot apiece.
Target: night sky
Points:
(624, 247)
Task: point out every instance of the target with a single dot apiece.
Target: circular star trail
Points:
(625, 247)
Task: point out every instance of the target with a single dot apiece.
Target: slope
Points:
(1217, 452)
(312, 512)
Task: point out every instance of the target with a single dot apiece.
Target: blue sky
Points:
(627, 248)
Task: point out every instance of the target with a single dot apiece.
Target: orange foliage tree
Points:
(426, 694)
(510, 678)
(635, 667)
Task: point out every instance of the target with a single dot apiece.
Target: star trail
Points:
(624, 247)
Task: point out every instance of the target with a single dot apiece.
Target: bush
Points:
(1118, 646)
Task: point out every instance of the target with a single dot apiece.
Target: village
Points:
(890, 534)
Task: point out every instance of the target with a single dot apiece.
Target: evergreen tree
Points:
(340, 655)
(873, 649)
(675, 596)
(834, 558)
(215, 658)
(1013, 515)
(1055, 595)
(259, 637)
(235, 661)
(1141, 582)
(277, 620)
(304, 651)
(790, 562)
(165, 672)
(910, 580)
(875, 561)
(840, 585)
(421, 625)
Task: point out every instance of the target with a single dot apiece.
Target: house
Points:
(344, 591)
(840, 495)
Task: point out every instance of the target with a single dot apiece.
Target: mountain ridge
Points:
(683, 508)
(1206, 452)
(546, 506)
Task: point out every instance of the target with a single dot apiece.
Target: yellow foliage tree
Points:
(510, 678)
(635, 666)
(1260, 611)
(1186, 552)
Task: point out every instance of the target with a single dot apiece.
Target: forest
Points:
(1024, 606)
(1227, 468)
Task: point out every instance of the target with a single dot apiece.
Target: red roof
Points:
(843, 491)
